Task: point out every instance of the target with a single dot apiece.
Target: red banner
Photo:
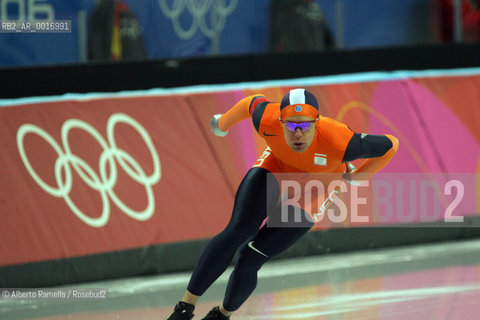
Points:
(95, 176)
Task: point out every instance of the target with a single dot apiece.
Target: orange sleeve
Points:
(373, 165)
(240, 111)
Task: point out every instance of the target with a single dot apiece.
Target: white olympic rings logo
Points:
(107, 179)
(198, 9)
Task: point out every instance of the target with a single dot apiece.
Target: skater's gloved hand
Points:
(350, 168)
(214, 126)
(349, 175)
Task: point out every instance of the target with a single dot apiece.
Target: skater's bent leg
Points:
(269, 242)
(248, 214)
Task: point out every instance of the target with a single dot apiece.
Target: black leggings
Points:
(257, 245)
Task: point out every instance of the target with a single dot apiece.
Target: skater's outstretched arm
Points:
(221, 123)
(378, 149)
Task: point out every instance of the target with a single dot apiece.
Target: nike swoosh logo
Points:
(250, 245)
(269, 135)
